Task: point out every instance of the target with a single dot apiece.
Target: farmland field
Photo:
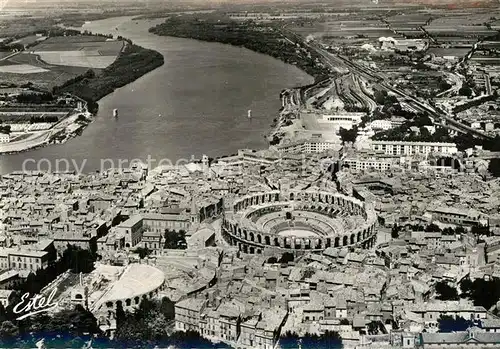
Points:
(21, 69)
(75, 43)
(89, 59)
(457, 52)
(65, 40)
(90, 52)
(54, 75)
(4, 54)
(27, 40)
(340, 29)
(59, 59)
(25, 117)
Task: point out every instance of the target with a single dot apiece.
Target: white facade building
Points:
(307, 146)
(413, 148)
(342, 120)
(381, 125)
(4, 138)
(360, 164)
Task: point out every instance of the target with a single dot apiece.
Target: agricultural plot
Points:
(21, 69)
(75, 43)
(89, 59)
(462, 25)
(495, 25)
(312, 28)
(412, 19)
(59, 59)
(28, 40)
(343, 28)
(450, 52)
(65, 40)
(51, 75)
(25, 117)
(490, 45)
(79, 53)
(4, 54)
(463, 18)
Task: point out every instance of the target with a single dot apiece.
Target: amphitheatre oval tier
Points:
(298, 221)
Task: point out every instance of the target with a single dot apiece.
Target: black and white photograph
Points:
(249, 174)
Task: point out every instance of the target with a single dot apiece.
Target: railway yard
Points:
(388, 64)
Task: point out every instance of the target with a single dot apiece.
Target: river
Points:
(195, 104)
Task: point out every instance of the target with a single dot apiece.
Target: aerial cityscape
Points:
(251, 174)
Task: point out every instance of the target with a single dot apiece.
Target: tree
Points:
(15, 299)
(74, 322)
(8, 330)
(466, 286)
(142, 252)
(167, 308)
(78, 259)
(348, 135)
(444, 86)
(192, 339)
(286, 258)
(81, 118)
(3, 313)
(289, 340)
(485, 293)
(148, 323)
(120, 314)
(425, 135)
(275, 141)
(328, 340)
(494, 167)
(157, 325)
(449, 324)
(379, 96)
(395, 232)
(465, 91)
(446, 292)
(132, 329)
(480, 230)
(376, 327)
(272, 260)
(433, 228)
(175, 240)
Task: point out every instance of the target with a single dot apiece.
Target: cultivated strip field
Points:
(457, 52)
(79, 53)
(28, 40)
(21, 69)
(89, 59)
(4, 54)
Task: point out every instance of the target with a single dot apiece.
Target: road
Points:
(9, 56)
(457, 81)
(487, 80)
(427, 35)
(35, 139)
(39, 138)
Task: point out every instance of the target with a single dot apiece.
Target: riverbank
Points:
(132, 63)
(61, 132)
(267, 39)
(203, 89)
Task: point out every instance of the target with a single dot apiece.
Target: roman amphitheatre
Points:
(298, 222)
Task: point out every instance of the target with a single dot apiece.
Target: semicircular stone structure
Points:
(298, 222)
